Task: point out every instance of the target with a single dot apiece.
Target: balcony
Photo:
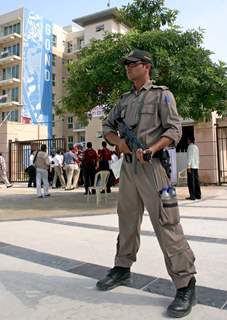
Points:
(75, 48)
(9, 37)
(6, 58)
(9, 81)
(78, 47)
(6, 101)
(78, 127)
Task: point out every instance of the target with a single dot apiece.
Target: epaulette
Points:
(125, 94)
(159, 87)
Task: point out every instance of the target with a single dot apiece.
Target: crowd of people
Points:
(68, 170)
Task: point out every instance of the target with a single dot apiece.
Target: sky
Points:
(210, 15)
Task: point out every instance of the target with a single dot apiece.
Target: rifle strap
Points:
(139, 112)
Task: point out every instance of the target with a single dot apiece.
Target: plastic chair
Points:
(100, 183)
(182, 176)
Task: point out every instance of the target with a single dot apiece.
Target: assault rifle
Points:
(131, 140)
(134, 144)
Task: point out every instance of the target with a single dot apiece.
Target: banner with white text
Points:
(37, 72)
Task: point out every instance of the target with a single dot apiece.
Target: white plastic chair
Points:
(100, 183)
(182, 177)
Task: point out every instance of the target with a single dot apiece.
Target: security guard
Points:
(150, 111)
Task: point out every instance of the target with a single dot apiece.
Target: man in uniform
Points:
(150, 111)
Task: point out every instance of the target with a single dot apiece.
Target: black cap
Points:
(137, 55)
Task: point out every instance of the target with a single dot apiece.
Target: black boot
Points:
(118, 276)
(184, 300)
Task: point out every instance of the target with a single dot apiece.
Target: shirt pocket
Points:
(147, 117)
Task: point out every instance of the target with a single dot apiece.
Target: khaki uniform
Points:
(152, 112)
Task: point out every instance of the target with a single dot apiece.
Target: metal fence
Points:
(222, 154)
(20, 151)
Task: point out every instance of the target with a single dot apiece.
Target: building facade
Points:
(34, 58)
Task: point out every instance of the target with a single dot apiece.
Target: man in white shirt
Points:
(192, 171)
(41, 162)
(58, 169)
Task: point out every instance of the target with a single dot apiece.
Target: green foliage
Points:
(180, 62)
(147, 15)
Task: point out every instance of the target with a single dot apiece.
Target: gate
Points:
(20, 151)
(222, 153)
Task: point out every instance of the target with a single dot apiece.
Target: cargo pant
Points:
(141, 189)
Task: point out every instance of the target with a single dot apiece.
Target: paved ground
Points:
(52, 251)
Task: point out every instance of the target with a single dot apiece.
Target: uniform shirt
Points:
(193, 156)
(104, 154)
(157, 118)
(90, 157)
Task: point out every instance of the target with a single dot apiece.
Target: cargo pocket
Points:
(181, 261)
(169, 212)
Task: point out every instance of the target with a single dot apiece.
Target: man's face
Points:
(136, 70)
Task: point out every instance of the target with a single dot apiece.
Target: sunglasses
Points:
(133, 63)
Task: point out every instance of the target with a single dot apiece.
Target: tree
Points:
(147, 15)
(179, 61)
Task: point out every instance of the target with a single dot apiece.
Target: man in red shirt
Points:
(104, 158)
(90, 164)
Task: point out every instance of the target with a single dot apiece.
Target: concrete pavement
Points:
(53, 250)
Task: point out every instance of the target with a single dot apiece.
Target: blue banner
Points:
(37, 73)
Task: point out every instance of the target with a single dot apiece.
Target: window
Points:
(53, 79)
(11, 72)
(100, 27)
(54, 40)
(15, 94)
(70, 122)
(81, 43)
(10, 115)
(3, 96)
(70, 141)
(53, 99)
(79, 125)
(15, 28)
(11, 50)
(53, 119)
(69, 61)
(3, 74)
(13, 116)
(69, 47)
(15, 71)
(53, 60)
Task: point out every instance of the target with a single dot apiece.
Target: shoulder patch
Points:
(167, 99)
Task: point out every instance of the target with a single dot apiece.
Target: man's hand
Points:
(123, 147)
(140, 154)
